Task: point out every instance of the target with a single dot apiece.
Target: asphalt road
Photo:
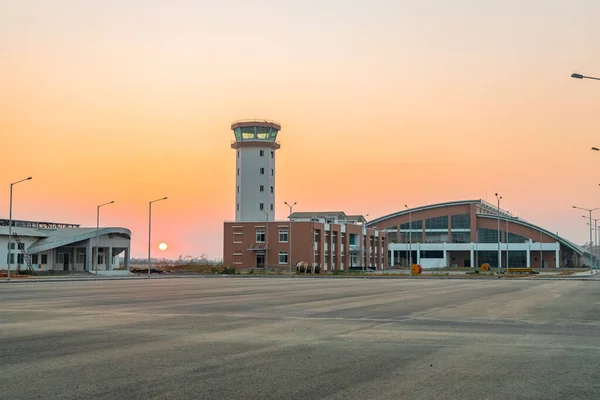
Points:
(228, 338)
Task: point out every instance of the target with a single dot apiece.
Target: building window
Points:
(34, 258)
(461, 237)
(415, 225)
(272, 154)
(11, 246)
(271, 189)
(271, 207)
(238, 188)
(81, 258)
(44, 259)
(272, 172)
(237, 207)
(514, 238)
(12, 258)
(260, 236)
(100, 259)
(437, 222)
(262, 206)
(283, 257)
(485, 235)
(262, 153)
(283, 236)
(21, 246)
(262, 171)
(238, 172)
(238, 154)
(262, 188)
(461, 221)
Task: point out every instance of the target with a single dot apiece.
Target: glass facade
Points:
(414, 225)
(461, 237)
(461, 221)
(437, 222)
(487, 235)
(514, 238)
(436, 237)
(255, 133)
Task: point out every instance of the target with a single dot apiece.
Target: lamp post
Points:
(579, 76)
(150, 230)
(97, 228)
(10, 224)
(266, 242)
(409, 236)
(595, 227)
(591, 241)
(291, 207)
(499, 239)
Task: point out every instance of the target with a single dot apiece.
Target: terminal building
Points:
(470, 233)
(49, 246)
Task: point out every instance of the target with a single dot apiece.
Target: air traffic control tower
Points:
(255, 144)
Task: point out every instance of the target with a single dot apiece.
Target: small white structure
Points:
(62, 247)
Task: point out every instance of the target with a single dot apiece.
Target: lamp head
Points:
(595, 149)
(577, 76)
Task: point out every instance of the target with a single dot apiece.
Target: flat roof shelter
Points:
(47, 246)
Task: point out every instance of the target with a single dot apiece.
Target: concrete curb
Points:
(220, 276)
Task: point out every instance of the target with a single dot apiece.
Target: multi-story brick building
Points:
(333, 241)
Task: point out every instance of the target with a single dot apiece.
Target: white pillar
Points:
(391, 258)
(88, 255)
(127, 259)
(557, 257)
(109, 259)
(529, 254)
(419, 253)
(472, 257)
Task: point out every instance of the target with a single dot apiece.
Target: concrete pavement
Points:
(256, 338)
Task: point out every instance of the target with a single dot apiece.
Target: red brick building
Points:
(333, 241)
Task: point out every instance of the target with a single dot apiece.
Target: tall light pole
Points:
(266, 242)
(10, 224)
(290, 218)
(150, 230)
(499, 240)
(579, 76)
(595, 238)
(591, 241)
(409, 236)
(97, 228)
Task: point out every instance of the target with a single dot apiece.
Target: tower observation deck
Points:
(255, 144)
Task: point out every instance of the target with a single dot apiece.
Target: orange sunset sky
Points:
(382, 103)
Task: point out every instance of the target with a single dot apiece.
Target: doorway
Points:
(260, 260)
(65, 262)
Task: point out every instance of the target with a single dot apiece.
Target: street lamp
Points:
(10, 224)
(290, 245)
(266, 242)
(97, 228)
(499, 251)
(579, 76)
(150, 230)
(409, 236)
(591, 241)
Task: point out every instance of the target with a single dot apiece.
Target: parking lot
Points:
(280, 338)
